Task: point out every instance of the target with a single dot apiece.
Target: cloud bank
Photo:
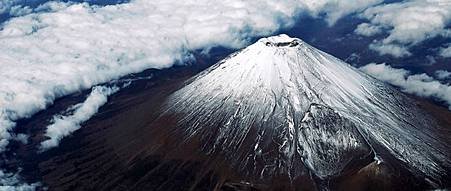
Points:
(408, 23)
(418, 84)
(63, 126)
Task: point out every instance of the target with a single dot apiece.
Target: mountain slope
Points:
(282, 106)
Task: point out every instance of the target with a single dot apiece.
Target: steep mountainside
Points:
(282, 106)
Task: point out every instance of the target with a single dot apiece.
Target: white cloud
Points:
(23, 138)
(19, 10)
(390, 49)
(442, 74)
(418, 84)
(15, 7)
(5, 5)
(409, 22)
(446, 52)
(366, 29)
(335, 9)
(63, 126)
(12, 182)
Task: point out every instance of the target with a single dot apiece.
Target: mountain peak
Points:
(281, 40)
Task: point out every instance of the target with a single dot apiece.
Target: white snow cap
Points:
(281, 40)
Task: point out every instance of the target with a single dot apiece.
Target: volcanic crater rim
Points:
(281, 40)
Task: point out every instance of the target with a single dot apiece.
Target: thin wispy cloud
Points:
(63, 126)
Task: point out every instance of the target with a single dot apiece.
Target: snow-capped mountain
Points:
(277, 115)
(281, 107)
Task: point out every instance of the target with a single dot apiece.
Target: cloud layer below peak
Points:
(418, 84)
(63, 126)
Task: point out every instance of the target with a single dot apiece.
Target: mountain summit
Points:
(281, 106)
